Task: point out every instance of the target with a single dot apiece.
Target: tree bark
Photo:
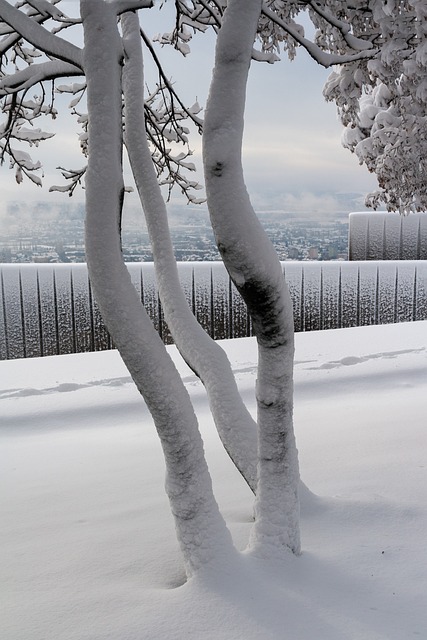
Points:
(253, 265)
(234, 423)
(201, 530)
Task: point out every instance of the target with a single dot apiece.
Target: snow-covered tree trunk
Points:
(201, 530)
(253, 265)
(235, 425)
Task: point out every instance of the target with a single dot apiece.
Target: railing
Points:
(49, 309)
(378, 235)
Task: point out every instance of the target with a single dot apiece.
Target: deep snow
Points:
(87, 543)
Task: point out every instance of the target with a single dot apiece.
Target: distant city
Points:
(46, 232)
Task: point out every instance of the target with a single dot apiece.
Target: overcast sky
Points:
(293, 157)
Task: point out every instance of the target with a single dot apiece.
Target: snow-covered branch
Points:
(358, 44)
(36, 73)
(322, 57)
(164, 80)
(74, 178)
(46, 9)
(121, 6)
(40, 37)
(383, 103)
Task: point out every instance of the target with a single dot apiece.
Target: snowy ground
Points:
(87, 542)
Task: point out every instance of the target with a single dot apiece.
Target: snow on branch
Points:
(20, 160)
(380, 48)
(40, 12)
(322, 57)
(382, 103)
(164, 127)
(191, 113)
(121, 6)
(36, 73)
(46, 9)
(166, 112)
(343, 27)
(74, 177)
(38, 36)
(276, 27)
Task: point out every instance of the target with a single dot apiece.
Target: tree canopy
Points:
(377, 51)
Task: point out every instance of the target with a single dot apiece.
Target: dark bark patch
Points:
(266, 310)
(218, 169)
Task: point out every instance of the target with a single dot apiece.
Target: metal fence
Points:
(49, 309)
(378, 235)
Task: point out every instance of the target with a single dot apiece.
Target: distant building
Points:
(331, 252)
(41, 259)
(293, 253)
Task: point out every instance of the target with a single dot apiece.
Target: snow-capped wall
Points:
(378, 235)
(48, 309)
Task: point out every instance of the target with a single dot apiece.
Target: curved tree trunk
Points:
(253, 265)
(201, 530)
(234, 423)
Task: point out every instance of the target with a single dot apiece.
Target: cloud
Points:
(311, 205)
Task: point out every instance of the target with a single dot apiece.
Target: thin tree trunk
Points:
(235, 426)
(253, 265)
(201, 530)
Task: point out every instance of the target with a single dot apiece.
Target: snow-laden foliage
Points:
(28, 66)
(382, 101)
(280, 28)
(380, 85)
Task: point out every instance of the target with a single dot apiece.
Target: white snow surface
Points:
(88, 549)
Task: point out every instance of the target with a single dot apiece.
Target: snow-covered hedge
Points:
(379, 235)
(49, 309)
